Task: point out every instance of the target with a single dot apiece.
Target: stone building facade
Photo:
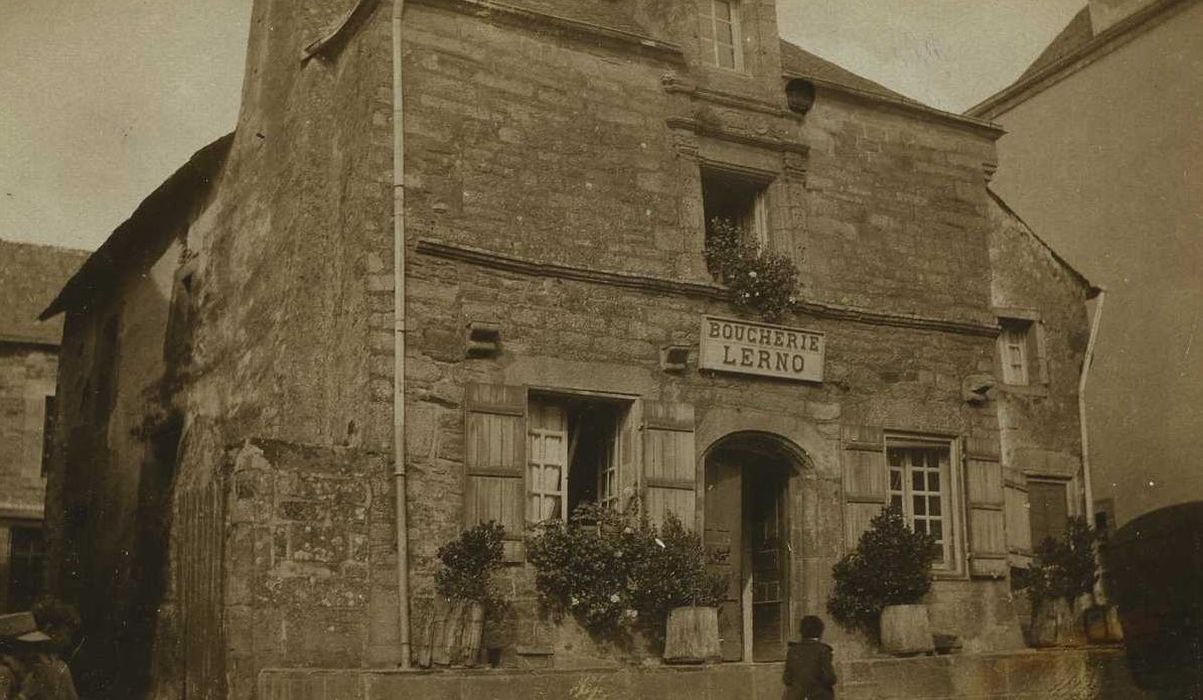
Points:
(29, 277)
(520, 262)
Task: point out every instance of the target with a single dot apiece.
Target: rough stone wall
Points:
(1040, 423)
(291, 341)
(111, 362)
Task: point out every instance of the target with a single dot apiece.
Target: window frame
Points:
(952, 505)
(554, 396)
(1028, 324)
(708, 47)
(759, 182)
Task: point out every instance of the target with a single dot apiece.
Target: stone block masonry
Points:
(1052, 675)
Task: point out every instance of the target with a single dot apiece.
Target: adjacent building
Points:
(450, 238)
(30, 275)
(1101, 157)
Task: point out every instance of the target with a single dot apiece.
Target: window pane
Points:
(920, 504)
(933, 481)
(894, 457)
(917, 481)
(936, 528)
(722, 10)
(896, 501)
(706, 28)
(919, 525)
(895, 479)
(933, 505)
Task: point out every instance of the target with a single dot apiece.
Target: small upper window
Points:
(1019, 351)
(739, 200)
(719, 34)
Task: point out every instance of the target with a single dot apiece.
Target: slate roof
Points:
(1076, 34)
(152, 217)
(30, 275)
(799, 62)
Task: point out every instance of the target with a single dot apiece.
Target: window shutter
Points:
(1039, 352)
(864, 479)
(495, 460)
(1019, 529)
(984, 483)
(669, 467)
(630, 449)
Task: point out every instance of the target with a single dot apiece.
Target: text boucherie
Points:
(760, 349)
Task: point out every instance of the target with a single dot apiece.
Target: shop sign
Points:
(762, 349)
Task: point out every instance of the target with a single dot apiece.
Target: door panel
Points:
(724, 551)
(766, 530)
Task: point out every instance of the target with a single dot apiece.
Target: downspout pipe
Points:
(1087, 486)
(399, 470)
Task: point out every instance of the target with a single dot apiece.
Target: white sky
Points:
(101, 100)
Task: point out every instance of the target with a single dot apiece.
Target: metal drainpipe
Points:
(399, 471)
(1087, 487)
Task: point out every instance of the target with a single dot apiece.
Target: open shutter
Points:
(1019, 529)
(669, 468)
(984, 484)
(1038, 352)
(864, 479)
(495, 460)
(630, 450)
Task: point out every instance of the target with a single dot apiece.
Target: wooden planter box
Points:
(692, 636)
(452, 634)
(906, 629)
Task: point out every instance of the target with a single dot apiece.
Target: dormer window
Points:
(719, 34)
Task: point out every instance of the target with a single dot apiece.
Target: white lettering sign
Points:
(758, 348)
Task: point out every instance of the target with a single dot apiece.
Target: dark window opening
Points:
(1049, 510)
(26, 566)
(738, 200)
(48, 423)
(572, 455)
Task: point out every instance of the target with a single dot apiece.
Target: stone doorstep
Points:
(1029, 674)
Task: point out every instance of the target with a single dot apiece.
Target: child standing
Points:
(809, 674)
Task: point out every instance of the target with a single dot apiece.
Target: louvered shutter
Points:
(984, 485)
(864, 479)
(495, 460)
(669, 468)
(1019, 529)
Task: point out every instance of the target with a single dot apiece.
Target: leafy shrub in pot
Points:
(760, 280)
(891, 565)
(455, 625)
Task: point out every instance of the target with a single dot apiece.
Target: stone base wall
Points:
(1068, 674)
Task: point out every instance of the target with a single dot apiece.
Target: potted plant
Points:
(617, 575)
(678, 591)
(1059, 584)
(464, 582)
(878, 585)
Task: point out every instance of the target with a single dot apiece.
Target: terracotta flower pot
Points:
(691, 636)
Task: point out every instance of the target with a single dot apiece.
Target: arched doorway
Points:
(746, 531)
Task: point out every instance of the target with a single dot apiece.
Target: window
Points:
(920, 486)
(742, 200)
(719, 35)
(1020, 352)
(572, 456)
(47, 433)
(27, 557)
(1048, 509)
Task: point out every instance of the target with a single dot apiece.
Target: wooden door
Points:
(765, 514)
(724, 551)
